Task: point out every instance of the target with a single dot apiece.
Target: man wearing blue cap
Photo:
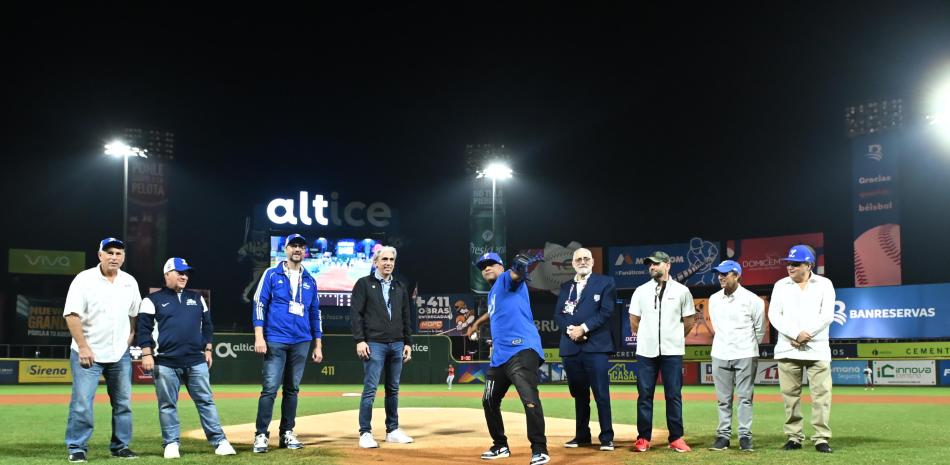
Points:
(286, 323)
(179, 351)
(516, 355)
(738, 319)
(801, 310)
(100, 312)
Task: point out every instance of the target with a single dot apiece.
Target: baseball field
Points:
(888, 425)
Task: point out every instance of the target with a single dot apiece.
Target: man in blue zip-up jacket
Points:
(286, 320)
(174, 331)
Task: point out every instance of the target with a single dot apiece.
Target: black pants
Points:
(522, 371)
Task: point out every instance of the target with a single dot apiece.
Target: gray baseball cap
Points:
(657, 257)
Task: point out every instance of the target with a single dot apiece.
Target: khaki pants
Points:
(819, 382)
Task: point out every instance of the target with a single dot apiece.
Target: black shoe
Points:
(745, 445)
(576, 443)
(607, 445)
(124, 453)
(496, 452)
(823, 447)
(792, 445)
(720, 444)
(77, 457)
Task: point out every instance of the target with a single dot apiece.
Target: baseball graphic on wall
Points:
(877, 256)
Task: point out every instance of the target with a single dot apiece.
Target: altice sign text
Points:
(307, 211)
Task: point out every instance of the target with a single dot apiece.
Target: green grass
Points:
(864, 433)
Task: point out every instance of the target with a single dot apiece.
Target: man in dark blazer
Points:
(583, 312)
(380, 320)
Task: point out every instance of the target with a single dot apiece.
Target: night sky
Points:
(627, 124)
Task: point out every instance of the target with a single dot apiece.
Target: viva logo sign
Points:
(30, 261)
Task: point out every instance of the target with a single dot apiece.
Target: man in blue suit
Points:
(584, 308)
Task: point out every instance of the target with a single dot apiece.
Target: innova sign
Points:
(308, 211)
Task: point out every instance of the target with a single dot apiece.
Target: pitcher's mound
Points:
(442, 435)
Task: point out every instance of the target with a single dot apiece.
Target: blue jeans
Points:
(283, 364)
(671, 367)
(119, 386)
(168, 381)
(388, 356)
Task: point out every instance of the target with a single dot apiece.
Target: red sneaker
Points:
(641, 445)
(679, 445)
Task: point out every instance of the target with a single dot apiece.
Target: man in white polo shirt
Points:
(100, 311)
(801, 310)
(738, 320)
(661, 315)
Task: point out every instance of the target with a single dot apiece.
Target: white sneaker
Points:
(367, 441)
(289, 440)
(171, 451)
(224, 448)
(260, 443)
(398, 437)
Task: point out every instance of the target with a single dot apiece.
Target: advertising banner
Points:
(905, 372)
(703, 332)
(892, 312)
(45, 371)
(760, 257)
(139, 375)
(487, 231)
(933, 349)
(39, 320)
(875, 203)
(31, 261)
(9, 371)
(146, 244)
(848, 372)
(336, 320)
(844, 350)
(622, 373)
(690, 373)
(557, 265)
(690, 263)
(445, 314)
(943, 366)
(767, 372)
(698, 353)
(706, 369)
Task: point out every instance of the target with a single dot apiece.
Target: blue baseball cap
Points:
(488, 259)
(800, 253)
(729, 265)
(295, 238)
(177, 264)
(110, 242)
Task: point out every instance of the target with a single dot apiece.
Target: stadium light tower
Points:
(495, 170)
(118, 148)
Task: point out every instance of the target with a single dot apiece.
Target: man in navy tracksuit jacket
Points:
(286, 320)
(174, 331)
(583, 312)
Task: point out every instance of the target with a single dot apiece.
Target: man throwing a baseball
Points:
(516, 355)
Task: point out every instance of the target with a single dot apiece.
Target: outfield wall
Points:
(236, 363)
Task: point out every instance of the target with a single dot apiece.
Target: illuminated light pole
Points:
(939, 111)
(495, 171)
(118, 148)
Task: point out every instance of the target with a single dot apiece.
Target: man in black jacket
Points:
(381, 327)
